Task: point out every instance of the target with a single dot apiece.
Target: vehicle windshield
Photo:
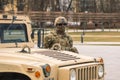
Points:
(12, 33)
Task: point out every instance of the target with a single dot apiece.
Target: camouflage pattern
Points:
(59, 40)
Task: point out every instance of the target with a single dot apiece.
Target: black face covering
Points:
(60, 29)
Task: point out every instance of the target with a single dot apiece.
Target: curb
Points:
(97, 43)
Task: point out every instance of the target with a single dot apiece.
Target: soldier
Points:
(59, 40)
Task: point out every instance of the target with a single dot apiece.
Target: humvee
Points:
(20, 59)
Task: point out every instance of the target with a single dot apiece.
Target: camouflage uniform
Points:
(59, 40)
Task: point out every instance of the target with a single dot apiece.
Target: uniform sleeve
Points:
(70, 41)
(73, 49)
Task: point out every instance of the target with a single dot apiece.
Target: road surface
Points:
(110, 54)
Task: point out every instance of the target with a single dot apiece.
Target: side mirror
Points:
(40, 41)
(40, 37)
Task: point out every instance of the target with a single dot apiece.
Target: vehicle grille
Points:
(87, 72)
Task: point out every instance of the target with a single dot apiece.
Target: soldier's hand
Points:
(56, 46)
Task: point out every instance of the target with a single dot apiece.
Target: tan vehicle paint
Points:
(20, 60)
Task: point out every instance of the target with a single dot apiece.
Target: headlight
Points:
(46, 70)
(100, 71)
(72, 74)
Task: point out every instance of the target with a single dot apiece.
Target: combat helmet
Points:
(60, 20)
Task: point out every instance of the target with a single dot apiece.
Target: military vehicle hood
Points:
(44, 56)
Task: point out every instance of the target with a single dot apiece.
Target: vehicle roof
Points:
(15, 17)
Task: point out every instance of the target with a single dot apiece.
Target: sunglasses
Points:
(63, 24)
